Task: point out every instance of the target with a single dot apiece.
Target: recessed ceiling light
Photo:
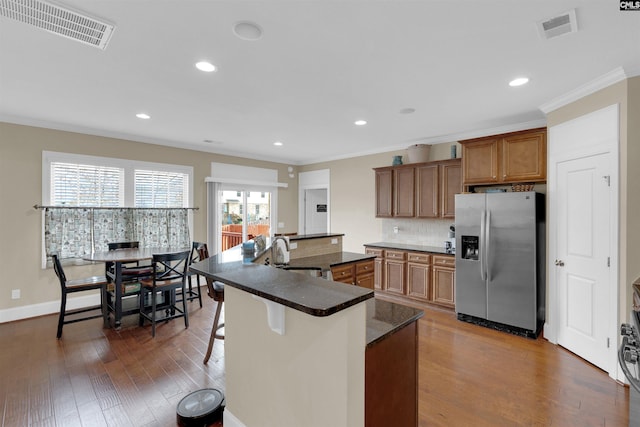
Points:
(205, 66)
(407, 111)
(143, 116)
(519, 81)
(247, 30)
(278, 144)
(360, 122)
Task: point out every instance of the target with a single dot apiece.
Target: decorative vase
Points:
(397, 160)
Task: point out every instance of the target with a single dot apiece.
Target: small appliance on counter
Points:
(450, 243)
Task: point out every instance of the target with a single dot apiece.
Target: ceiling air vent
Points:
(59, 20)
(559, 25)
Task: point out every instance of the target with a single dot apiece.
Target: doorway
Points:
(314, 202)
(583, 237)
(315, 211)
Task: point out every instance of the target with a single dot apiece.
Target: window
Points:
(86, 185)
(156, 189)
(77, 180)
(124, 200)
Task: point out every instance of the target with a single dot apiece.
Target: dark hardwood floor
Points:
(468, 375)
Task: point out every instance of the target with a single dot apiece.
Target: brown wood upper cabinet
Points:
(420, 190)
(507, 158)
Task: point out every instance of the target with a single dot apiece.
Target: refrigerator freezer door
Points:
(511, 259)
(470, 288)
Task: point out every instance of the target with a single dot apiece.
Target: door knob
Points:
(559, 263)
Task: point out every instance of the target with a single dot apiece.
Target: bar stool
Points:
(215, 290)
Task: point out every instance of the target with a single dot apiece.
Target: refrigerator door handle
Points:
(487, 246)
(483, 276)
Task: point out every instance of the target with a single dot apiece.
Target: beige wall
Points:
(21, 150)
(627, 95)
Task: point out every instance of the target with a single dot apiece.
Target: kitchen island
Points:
(301, 350)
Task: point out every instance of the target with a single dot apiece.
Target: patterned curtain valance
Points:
(76, 232)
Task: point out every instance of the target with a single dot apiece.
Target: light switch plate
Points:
(334, 241)
(293, 245)
(15, 294)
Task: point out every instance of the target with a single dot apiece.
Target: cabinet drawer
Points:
(364, 267)
(399, 255)
(419, 257)
(444, 260)
(342, 272)
(373, 251)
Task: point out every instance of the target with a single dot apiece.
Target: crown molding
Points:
(580, 92)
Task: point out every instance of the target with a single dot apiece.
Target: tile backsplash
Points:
(428, 232)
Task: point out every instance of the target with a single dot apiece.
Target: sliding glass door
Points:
(243, 213)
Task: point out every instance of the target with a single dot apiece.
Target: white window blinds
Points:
(155, 189)
(86, 185)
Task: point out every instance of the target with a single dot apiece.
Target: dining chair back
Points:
(169, 274)
(78, 285)
(133, 270)
(193, 292)
(215, 290)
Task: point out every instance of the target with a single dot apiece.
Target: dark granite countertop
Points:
(410, 247)
(325, 262)
(384, 318)
(311, 295)
(314, 236)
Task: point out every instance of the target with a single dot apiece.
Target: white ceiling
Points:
(320, 65)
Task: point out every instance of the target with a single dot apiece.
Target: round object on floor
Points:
(200, 408)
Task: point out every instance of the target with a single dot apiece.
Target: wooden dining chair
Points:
(169, 274)
(79, 285)
(133, 270)
(193, 292)
(215, 290)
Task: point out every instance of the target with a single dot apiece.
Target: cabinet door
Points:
(384, 193)
(427, 191)
(443, 286)
(403, 192)
(443, 280)
(451, 179)
(378, 267)
(418, 278)
(480, 161)
(365, 280)
(343, 273)
(395, 276)
(524, 157)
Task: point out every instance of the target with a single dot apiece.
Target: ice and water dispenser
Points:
(470, 247)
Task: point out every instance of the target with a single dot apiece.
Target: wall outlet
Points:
(293, 245)
(396, 229)
(281, 225)
(15, 294)
(334, 241)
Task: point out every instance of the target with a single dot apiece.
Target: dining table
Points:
(119, 257)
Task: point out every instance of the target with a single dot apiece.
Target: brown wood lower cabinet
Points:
(391, 380)
(360, 273)
(444, 278)
(419, 276)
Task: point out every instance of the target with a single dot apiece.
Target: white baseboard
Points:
(230, 420)
(44, 308)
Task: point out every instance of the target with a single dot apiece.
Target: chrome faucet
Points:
(274, 245)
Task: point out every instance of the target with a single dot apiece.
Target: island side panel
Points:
(391, 378)
(313, 375)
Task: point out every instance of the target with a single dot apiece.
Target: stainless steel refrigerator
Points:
(500, 256)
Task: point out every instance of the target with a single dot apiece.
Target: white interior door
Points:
(315, 218)
(583, 257)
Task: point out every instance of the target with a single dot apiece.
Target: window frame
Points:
(129, 167)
